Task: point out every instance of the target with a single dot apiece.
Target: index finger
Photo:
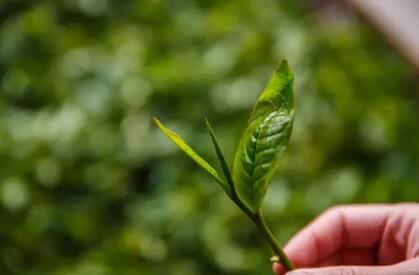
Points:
(339, 227)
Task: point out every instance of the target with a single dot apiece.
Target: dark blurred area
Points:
(88, 185)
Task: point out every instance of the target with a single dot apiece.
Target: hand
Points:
(364, 239)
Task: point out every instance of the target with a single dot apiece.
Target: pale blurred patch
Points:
(14, 193)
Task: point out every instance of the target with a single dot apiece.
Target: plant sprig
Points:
(260, 148)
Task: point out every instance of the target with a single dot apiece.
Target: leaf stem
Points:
(269, 236)
(242, 206)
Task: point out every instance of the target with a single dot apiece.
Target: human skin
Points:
(358, 239)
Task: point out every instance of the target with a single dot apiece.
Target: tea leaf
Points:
(192, 154)
(265, 138)
(221, 158)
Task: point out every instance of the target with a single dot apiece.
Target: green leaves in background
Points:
(265, 138)
(81, 164)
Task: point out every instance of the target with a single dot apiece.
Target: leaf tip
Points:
(283, 68)
(161, 126)
(208, 124)
(211, 131)
(156, 120)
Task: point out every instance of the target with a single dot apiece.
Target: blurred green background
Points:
(88, 185)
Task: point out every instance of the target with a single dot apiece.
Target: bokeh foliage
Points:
(88, 185)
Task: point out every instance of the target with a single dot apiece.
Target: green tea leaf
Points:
(265, 138)
(222, 160)
(191, 153)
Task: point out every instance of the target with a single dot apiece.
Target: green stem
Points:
(276, 247)
(241, 205)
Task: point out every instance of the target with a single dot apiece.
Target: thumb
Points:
(353, 270)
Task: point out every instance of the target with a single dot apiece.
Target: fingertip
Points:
(278, 269)
(301, 251)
